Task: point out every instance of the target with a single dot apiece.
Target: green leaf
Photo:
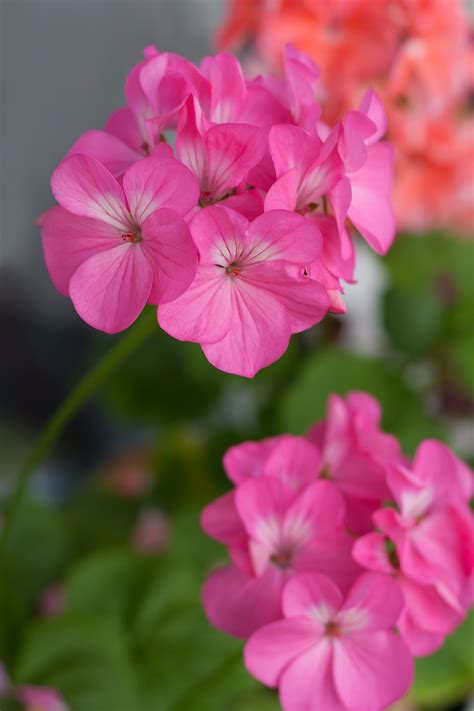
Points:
(413, 320)
(462, 353)
(82, 656)
(335, 371)
(447, 676)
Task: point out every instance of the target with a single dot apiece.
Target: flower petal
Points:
(239, 604)
(85, 187)
(203, 311)
(379, 600)
(371, 671)
(232, 151)
(307, 684)
(311, 594)
(261, 504)
(110, 289)
(69, 240)
(284, 235)
(258, 334)
(172, 254)
(111, 151)
(271, 648)
(220, 520)
(294, 460)
(156, 183)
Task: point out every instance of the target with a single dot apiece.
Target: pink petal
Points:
(307, 683)
(247, 459)
(311, 594)
(371, 671)
(228, 88)
(373, 108)
(203, 311)
(109, 150)
(305, 300)
(172, 255)
(221, 521)
(292, 147)
(219, 232)
(124, 125)
(249, 203)
(69, 240)
(371, 210)
(284, 235)
(428, 608)
(190, 147)
(261, 504)
(272, 647)
(110, 289)
(238, 604)
(294, 460)
(232, 151)
(329, 555)
(152, 184)
(371, 553)
(319, 508)
(435, 465)
(283, 194)
(379, 600)
(85, 187)
(419, 641)
(258, 332)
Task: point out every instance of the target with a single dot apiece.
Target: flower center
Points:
(134, 236)
(233, 269)
(282, 559)
(332, 630)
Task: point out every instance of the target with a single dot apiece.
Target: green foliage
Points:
(447, 676)
(336, 371)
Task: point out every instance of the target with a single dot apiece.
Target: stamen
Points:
(282, 559)
(134, 236)
(234, 270)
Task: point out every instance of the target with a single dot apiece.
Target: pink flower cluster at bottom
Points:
(347, 559)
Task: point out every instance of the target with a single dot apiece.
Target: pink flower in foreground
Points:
(250, 292)
(272, 532)
(114, 249)
(333, 653)
(356, 454)
(37, 698)
(427, 544)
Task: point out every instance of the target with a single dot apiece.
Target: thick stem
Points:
(55, 426)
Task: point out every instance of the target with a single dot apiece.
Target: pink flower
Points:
(52, 600)
(429, 613)
(151, 533)
(356, 454)
(37, 698)
(333, 653)
(427, 544)
(114, 249)
(221, 158)
(250, 292)
(273, 531)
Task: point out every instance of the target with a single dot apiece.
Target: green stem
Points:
(56, 425)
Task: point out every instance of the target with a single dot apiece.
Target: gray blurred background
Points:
(63, 66)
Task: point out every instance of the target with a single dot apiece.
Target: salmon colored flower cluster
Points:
(347, 559)
(240, 233)
(418, 54)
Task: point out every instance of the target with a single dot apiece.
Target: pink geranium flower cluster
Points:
(347, 559)
(240, 233)
(418, 54)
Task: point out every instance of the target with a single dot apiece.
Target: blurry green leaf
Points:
(462, 352)
(37, 549)
(335, 371)
(413, 321)
(447, 676)
(108, 584)
(85, 658)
